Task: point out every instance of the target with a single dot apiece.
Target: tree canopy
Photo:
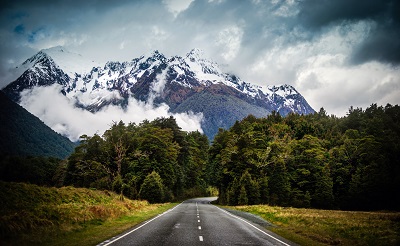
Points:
(313, 160)
(125, 155)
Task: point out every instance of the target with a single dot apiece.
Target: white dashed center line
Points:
(198, 217)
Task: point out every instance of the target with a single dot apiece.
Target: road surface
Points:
(196, 222)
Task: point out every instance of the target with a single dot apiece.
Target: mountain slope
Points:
(219, 109)
(189, 83)
(22, 133)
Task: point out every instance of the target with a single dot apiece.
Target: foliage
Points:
(127, 159)
(152, 188)
(34, 170)
(313, 160)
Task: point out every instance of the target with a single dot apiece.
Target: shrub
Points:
(152, 188)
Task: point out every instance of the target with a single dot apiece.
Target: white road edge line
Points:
(137, 228)
(253, 226)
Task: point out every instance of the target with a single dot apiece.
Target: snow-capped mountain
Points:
(189, 83)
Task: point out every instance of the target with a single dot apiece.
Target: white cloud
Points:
(319, 69)
(177, 6)
(286, 8)
(229, 40)
(281, 41)
(60, 114)
(340, 87)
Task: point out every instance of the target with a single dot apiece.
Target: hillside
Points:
(35, 215)
(22, 133)
(180, 83)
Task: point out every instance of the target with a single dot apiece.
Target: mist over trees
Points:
(314, 160)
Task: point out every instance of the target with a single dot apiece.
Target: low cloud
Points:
(336, 87)
(61, 114)
(263, 42)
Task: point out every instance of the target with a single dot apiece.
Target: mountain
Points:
(23, 134)
(189, 83)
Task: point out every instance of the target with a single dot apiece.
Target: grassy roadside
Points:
(100, 231)
(34, 215)
(330, 227)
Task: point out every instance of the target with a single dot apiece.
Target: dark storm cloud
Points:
(383, 40)
(318, 46)
(19, 29)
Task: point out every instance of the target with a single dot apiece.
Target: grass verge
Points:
(34, 215)
(330, 227)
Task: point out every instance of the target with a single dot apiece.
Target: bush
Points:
(152, 188)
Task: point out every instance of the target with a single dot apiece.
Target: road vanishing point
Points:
(196, 222)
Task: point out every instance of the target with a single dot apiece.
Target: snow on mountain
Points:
(70, 62)
(154, 78)
(203, 69)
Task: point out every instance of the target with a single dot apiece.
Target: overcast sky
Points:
(336, 53)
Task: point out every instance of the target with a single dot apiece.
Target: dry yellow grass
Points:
(34, 215)
(331, 227)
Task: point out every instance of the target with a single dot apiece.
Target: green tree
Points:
(264, 190)
(251, 187)
(323, 195)
(152, 188)
(279, 185)
(242, 199)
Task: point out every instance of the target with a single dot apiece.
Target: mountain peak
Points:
(156, 53)
(190, 83)
(69, 62)
(195, 54)
(58, 48)
(283, 90)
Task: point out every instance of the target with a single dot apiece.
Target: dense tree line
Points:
(29, 169)
(154, 160)
(313, 160)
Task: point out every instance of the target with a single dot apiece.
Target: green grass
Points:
(34, 215)
(330, 227)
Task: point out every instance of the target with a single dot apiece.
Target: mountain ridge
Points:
(156, 79)
(24, 134)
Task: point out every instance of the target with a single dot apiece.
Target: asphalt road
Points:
(196, 222)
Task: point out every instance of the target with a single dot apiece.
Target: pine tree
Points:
(323, 196)
(264, 190)
(279, 184)
(243, 200)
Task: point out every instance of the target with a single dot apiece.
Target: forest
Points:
(155, 161)
(316, 160)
